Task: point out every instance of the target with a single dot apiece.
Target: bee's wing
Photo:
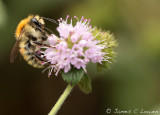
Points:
(14, 52)
(15, 49)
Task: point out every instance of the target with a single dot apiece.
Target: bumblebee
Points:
(30, 34)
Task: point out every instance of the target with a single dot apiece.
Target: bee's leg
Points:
(40, 29)
(40, 43)
(44, 38)
(38, 57)
(49, 30)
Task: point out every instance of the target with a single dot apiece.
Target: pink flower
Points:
(77, 50)
(79, 63)
(53, 40)
(73, 59)
(82, 43)
(64, 29)
(75, 47)
(62, 45)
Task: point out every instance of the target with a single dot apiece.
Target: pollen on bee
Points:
(22, 51)
(26, 58)
(35, 65)
(23, 43)
(30, 62)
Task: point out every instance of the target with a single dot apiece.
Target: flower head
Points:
(75, 47)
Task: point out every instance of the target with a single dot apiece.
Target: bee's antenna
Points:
(49, 30)
(51, 20)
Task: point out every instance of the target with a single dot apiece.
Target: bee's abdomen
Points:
(29, 56)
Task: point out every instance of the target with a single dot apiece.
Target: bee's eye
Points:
(35, 22)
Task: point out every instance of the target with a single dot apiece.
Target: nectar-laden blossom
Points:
(75, 47)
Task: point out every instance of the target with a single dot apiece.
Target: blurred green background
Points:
(133, 82)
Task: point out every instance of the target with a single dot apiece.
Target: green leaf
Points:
(85, 84)
(73, 76)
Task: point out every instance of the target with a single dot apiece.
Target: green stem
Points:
(61, 100)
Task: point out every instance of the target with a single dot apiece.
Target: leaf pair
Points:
(78, 77)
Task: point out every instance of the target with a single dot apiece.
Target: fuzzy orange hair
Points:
(21, 25)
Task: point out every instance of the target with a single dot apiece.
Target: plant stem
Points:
(61, 100)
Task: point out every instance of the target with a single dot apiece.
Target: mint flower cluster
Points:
(75, 47)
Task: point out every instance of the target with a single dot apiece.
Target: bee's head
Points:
(38, 21)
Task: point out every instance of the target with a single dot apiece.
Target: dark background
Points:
(133, 82)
